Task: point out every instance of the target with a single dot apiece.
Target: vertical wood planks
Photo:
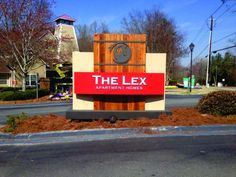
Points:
(104, 62)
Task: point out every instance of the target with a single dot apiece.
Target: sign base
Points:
(120, 115)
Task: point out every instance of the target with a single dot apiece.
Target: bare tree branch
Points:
(162, 34)
(23, 25)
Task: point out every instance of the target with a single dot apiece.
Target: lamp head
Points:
(191, 46)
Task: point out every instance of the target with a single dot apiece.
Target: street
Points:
(34, 109)
(177, 156)
(60, 108)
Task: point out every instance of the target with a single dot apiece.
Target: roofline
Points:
(71, 19)
(5, 72)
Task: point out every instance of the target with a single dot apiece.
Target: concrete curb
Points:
(108, 134)
(65, 133)
(34, 105)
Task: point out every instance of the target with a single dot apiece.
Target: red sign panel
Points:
(105, 83)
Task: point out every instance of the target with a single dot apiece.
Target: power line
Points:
(201, 37)
(217, 9)
(234, 33)
(202, 27)
(200, 53)
(199, 32)
(217, 18)
(205, 47)
(223, 2)
(215, 51)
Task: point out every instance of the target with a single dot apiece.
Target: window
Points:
(31, 80)
(3, 81)
(4, 78)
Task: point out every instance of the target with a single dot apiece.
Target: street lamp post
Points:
(37, 86)
(191, 46)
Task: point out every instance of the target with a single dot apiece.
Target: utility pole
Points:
(208, 74)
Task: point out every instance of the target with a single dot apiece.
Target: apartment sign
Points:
(106, 83)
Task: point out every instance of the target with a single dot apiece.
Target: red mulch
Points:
(181, 116)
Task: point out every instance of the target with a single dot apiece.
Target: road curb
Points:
(34, 105)
(106, 134)
(67, 133)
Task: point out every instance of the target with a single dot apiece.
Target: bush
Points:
(6, 95)
(19, 95)
(218, 103)
(172, 82)
(43, 92)
(4, 89)
(13, 121)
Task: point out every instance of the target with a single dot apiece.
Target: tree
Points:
(162, 34)
(86, 32)
(25, 26)
(224, 68)
(199, 71)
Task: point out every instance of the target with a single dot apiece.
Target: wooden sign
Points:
(118, 79)
(102, 83)
(121, 53)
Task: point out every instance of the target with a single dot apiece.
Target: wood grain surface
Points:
(104, 62)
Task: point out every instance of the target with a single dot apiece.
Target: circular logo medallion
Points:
(122, 53)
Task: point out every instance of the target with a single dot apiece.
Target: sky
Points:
(190, 16)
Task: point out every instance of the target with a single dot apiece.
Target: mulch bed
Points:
(180, 117)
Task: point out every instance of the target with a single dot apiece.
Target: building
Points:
(5, 76)
(10, 78)
(66, 35)
(60, 75)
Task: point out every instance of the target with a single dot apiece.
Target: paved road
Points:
(34, 109)
(192, 156)
(182, 100)
(61, 108)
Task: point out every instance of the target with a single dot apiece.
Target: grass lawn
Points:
(202, 91)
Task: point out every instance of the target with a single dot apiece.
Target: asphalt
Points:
(58, 137)
(46, 104)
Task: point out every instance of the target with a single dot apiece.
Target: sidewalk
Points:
(109, 134)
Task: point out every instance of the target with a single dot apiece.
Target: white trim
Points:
(59, 35)
(76, 41)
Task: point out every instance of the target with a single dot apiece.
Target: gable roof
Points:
(65, 17)
(4, 68)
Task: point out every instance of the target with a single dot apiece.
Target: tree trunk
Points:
(13, 78)
(24, 82)
(167, 78)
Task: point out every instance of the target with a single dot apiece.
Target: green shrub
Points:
(172, 82)
(6, 95)
(4, 89)
(43, 92)
(19, 95)
(13, 121)
(218, 103)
